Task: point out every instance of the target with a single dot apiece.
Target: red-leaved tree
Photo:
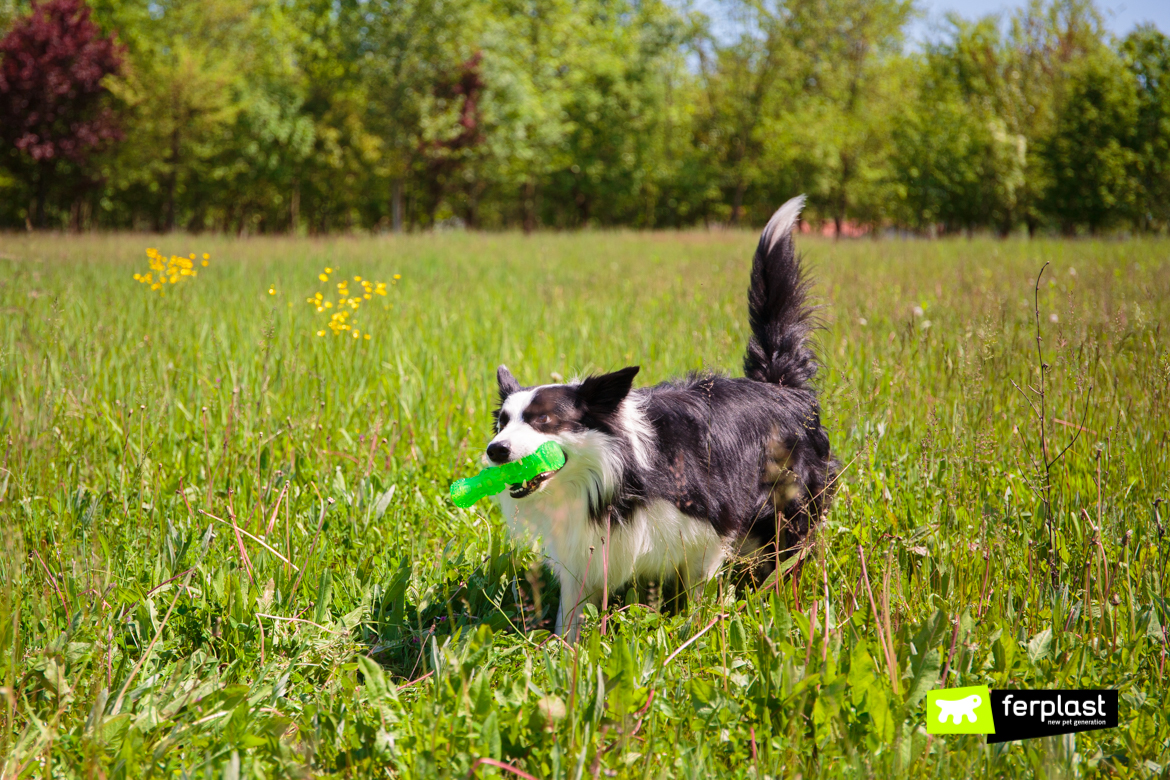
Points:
(53, 107)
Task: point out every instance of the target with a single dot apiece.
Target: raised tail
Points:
(778, 310)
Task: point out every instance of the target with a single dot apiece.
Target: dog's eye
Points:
(502, 421)
(541, 420)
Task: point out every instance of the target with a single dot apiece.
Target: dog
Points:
(672, 481)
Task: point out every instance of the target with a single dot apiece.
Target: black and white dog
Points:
(672, 480)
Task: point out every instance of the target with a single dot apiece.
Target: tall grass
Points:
(227, 548)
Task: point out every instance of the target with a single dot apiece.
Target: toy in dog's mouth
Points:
(528, 487)
(519, 477)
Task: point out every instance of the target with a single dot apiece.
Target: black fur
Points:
(778, 351)
(728, 450)
(748, 455)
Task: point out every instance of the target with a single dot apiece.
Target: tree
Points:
(1147, 56)
(745, 83)
(618, 85)
(853, 53)
(1090, 153)
(216, 125)
(54, 107)
(397, 56)
(1046, 40)
(456, 139)
(955, 161)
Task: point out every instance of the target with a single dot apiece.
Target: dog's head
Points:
(567, 414)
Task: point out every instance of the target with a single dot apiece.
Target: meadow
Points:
(228, 549)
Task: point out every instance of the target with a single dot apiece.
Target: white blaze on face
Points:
(519, 437)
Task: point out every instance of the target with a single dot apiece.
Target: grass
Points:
(227, 548)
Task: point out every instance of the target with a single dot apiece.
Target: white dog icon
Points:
(958, 709)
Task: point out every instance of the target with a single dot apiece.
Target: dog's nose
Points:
(498, 453)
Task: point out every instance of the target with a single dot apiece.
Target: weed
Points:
(227, 547)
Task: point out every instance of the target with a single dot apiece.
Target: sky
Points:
(1121, 16)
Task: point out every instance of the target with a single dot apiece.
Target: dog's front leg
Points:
(573, 598)
(569, 614)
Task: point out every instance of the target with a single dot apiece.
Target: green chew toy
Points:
(549, 457)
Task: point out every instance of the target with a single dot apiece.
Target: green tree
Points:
(955, 161)
(852, 68)
(1046, 39)
(618, 143)
(745, 83)
(1147, 55)
(400, 53)
(1090, 156)
(216, 106)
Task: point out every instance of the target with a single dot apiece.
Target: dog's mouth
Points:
(528, 487)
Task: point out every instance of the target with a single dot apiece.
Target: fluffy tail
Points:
(781, 318)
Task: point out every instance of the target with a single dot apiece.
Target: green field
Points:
(359, 625)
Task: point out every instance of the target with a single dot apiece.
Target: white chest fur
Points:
(657, 543)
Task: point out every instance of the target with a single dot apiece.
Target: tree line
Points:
(324, 115)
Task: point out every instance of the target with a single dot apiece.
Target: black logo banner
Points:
(1030, 714)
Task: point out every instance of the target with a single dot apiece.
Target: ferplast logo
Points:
(1022, 714)
(1005, 716)
(960, 711)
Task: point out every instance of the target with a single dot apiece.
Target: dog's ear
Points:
(603, 394)
(508, 383)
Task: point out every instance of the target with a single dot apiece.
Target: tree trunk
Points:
(1004, 229)
(294, 209)
(584, 206)
(529, 205)
(396, 205)
(737, 202)
(39, 216)
(474, 193)
(172, 182)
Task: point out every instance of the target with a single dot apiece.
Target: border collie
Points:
(672, 481)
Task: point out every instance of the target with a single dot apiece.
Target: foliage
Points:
(227, 548)
(314, 116)
(1147, 54)
(54, 111)
(1090, 153)
(958, 164)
